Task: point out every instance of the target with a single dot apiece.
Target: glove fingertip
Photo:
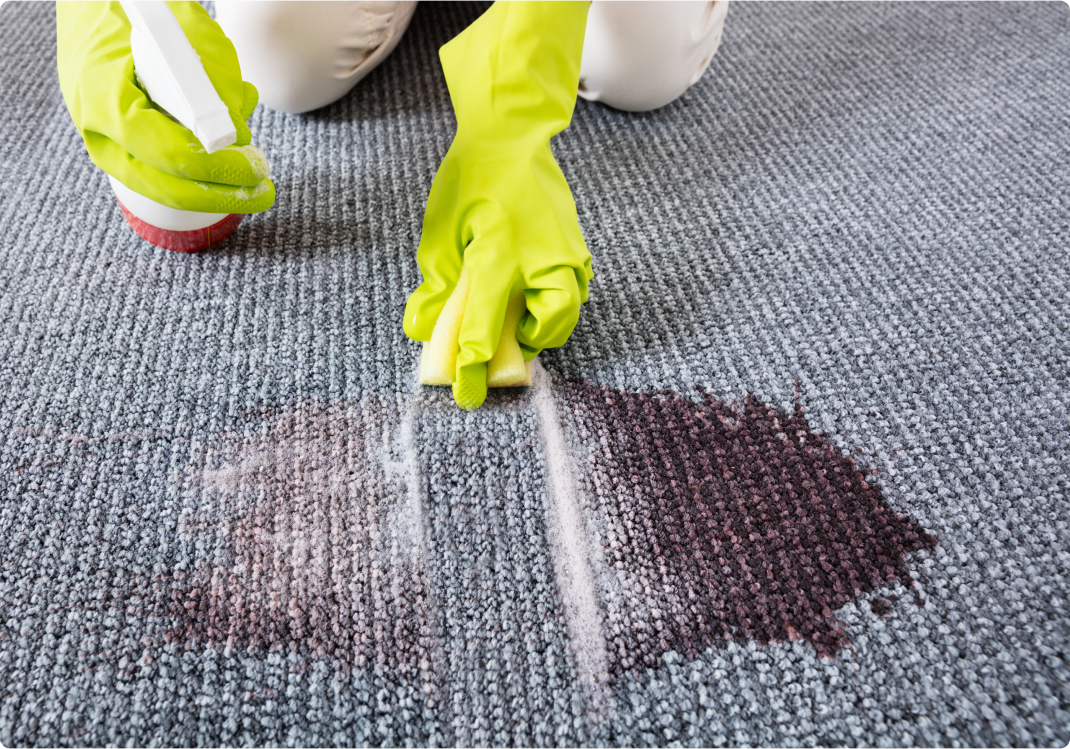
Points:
(468, 392)
(421, 314)
(583, 280)
(249, 200)
(268, 198)
(245, 135)
(416, 328)
(251, 98)
(552, 316)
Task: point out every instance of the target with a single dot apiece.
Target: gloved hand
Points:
(499, 204)
(137, 144)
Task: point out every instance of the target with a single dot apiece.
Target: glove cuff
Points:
(514, 73)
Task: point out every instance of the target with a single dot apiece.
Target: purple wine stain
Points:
(729, 522)
(303, 542)
(880, 606)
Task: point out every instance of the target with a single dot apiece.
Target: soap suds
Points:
(243, 194)
(571, 554)
(408, 521)
(258, 160)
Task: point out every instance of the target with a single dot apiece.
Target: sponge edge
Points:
(438, 361)
(507, 367)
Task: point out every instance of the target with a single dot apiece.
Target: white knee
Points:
(305, 55)
(642, 55)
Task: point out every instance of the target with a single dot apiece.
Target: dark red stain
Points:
(730, 522)
(303, 551)
(880, 606)
(353, 615)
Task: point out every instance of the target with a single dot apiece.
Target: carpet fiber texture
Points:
(800, 477)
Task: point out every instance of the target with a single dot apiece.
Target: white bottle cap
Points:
(172, 74)
(159, 215)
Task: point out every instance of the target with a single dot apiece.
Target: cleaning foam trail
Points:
(408, 524)
(567, 539)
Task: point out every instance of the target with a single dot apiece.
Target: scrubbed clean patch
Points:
(725, 522)
(303, 541)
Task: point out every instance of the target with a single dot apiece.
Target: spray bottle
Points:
(171, 73)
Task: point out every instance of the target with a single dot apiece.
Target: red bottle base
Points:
(183, 241)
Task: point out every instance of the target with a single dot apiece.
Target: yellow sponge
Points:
(438, 361)
(507, 367)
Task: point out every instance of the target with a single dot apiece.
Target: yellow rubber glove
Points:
(500, 206)
(136, 143)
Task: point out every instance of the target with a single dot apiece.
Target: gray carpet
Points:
(798, 478)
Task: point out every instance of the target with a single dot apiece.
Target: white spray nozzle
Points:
(172, 74)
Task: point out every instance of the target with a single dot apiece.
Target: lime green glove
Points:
(137, 144)
(499, 204)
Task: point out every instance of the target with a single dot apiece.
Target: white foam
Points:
(571, 555)
(244, 194)
(407, 523)
(258, 160)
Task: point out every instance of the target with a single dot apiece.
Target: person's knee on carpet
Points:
(642, 55)
(305, 55)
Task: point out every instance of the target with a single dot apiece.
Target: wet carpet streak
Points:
(725, 522)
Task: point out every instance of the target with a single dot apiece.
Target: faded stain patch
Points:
(303, 541)
(722, 522)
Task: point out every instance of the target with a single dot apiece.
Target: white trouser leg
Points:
(305, 55)
(641, 55)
